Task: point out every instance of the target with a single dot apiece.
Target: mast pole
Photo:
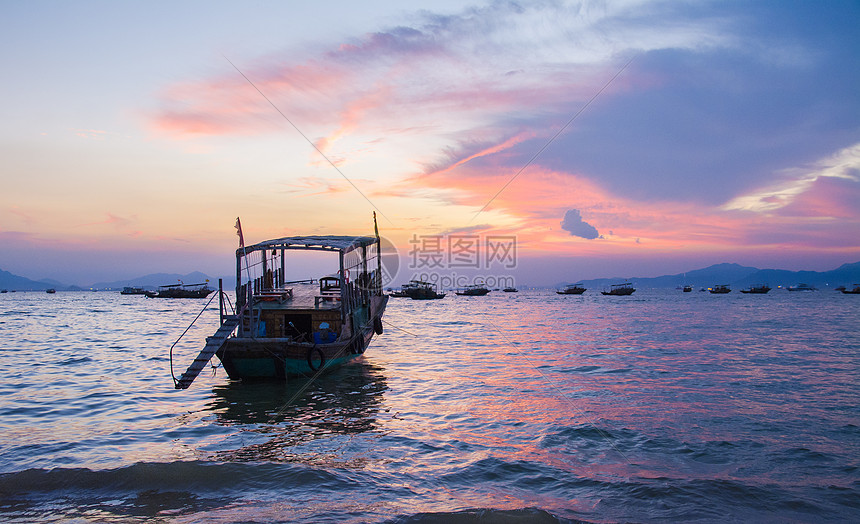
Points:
(377, 285)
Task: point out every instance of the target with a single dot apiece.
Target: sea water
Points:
(515, 407)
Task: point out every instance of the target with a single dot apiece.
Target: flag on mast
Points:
(238, 227)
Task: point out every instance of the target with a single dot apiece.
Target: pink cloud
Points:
(433, 77)
(26, 218)
(828, 196)
(114, 220)
(444, 86)
(312, 186)
(539, 199)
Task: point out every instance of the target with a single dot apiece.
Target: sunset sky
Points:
(628, 138)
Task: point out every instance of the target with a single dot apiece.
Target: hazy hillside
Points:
(738, 276)
(10, 282)
(158, 279)
(734, 275)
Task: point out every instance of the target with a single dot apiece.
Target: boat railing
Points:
(222, 311)
(172, 374)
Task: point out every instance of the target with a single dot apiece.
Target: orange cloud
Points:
(536, 202)
(312, 186)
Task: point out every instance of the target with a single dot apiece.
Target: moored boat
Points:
(180, 290)
(720, 289)
(688, 288)
(619, 289)
(399, 294)
(572, 289)
(128, 290)
(854, 291)
(802, 287)
(756, 290)
(474, 290)
(420, 290)
(50, 291)
(286, 329)
(511, 290)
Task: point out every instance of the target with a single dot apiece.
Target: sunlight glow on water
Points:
(657, 406)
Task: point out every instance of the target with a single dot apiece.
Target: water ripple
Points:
(515, 406)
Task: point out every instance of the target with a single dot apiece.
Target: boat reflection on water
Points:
(281, 418)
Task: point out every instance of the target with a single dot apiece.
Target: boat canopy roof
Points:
(177, 285)
(324, 243)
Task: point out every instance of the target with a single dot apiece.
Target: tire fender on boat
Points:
(377, 325)
(311, 359)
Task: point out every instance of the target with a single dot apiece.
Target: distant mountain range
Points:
(18, 283)
(734, 275)
(738, 276)
(158, 279)
(14, 282)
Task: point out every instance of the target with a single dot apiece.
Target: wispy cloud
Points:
(96, 134)
(313, 186)
(695, 147)
(124, 225)
(25, 217)
(476, 72)
(818, 190)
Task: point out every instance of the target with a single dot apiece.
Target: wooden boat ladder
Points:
(213, 344)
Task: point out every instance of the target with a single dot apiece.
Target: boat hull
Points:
(183, 293)
(251, 359)
(618, 292)
(269, 358)
(424, 294)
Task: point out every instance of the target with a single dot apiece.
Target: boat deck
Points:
(298, 296)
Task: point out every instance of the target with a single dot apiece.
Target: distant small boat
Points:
(619, 289)
(720, 289)
(420, 290)
(6, 290)
(182, 291)
(757, 290)
(474, 290)
(572, 289)
(132, 291)
(802, 287)
(50, 290)
(688, 288)
(510, 290)
(854, 291)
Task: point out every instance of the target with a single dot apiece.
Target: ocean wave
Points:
(485, 515)
(194, 479)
